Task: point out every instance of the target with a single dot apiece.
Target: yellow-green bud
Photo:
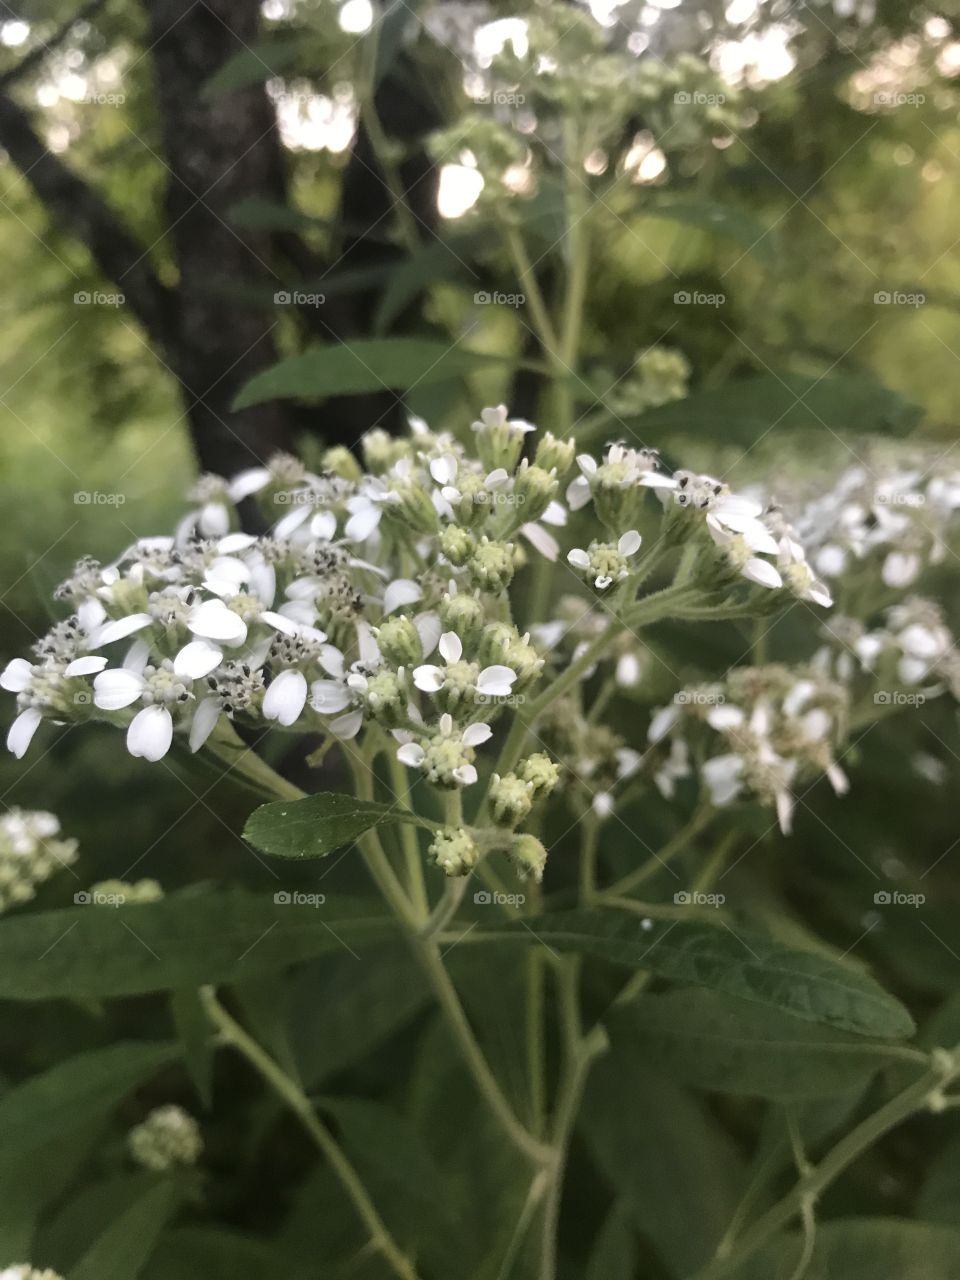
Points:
(511, 799)
(463, 614)
(529, 856)
(413, 507)
(454, 851)
(540, 772)
(492, 565)
(474, 503)
(520, 656)
(123, 892)
(555, 455)
(381, 450)
(499, 438)
(495, 642)
(399, 641)
(382, 695)
(342, 463)
(457, 544)
(167, 1139)
(534, 489)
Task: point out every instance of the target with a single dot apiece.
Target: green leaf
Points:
(738, 962)
(181, 941)
(745, 409)
(939, 1198)
(122, 1250)
(77, 1090)
(732, 1046)
(436, 261)
(614, 1255)
(32, 1179)
(722, 220)
(374, 364)
(193, 1030)
(253, 65)
(68, 1233)
(863, 1249)
(209, 1253)
(676, 1170)
(314, 827)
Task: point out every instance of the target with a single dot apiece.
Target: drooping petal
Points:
(444, 469)
(555, 514)
(540, 539)
(451, 647)
(214, 520)
(197, 659)
(212, 620)
(347, 726)
(204, 722)
(279, 622)
(22, 731)
(400, 592)
(150, 733)
(475, 734)
(663, 721)
(329, 697)
(115, 689)
(362, 523)
(723, 775)
(119, 629)
(465, 774)
(578, 558)
(428, 679)
(629, 543)
(137, 657)
(86, 666)
(285, 698)
(429, 628)
(725, 717)
(292, 521)
(578, 493)
(496, 681)
(244, 483)
(324, 525)
(762, 572)
(16, 675)
(411, 754)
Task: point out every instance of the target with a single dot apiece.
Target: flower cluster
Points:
(24, 1271)
(761, 732)
(913, 646)
(124, 891)
(30, 853)
(169, 1138)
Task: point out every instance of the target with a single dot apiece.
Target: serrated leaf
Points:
(124, 1247)
(180, 941)
(862, 1249)
(740, 963)
(732, 1046)
(77, 1090)
(373, 364)
(315, 826)
(745, 409)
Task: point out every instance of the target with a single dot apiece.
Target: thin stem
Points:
(409, 840)
(674, 846)
(446, 908)
(536, 1047)
(232, 1033)
(538, 307)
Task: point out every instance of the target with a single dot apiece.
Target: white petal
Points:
(279, 622)
(213, 521)
(475, 734)
(656, 480)
(84, 666)
(428, 627)
(544, 542)
(578, 493)
(150, 733)
(465, 774)
(496, 681)
(324, 525)
(762, 572)
(722, 775)
(578, 558)
(444, 469)
(214, 621)
(347, 726)
(16, 675)
(204, 722)
(120, 629)
(360, 525)
(555, 514)
(113, 690)
(246, 482)
(137, 657)
(22, 731)
(285, 698)
(235, 542)
(451, 647)
(292, 521)
(197, 659)
(331, 659)
(662, 722)
(497, 478)
(400, 592)
(428, 678)
(411, 754)
(629, 543)
(785, 811)
(586, 464)
(328, 697)
(725, 717)
(91, 613)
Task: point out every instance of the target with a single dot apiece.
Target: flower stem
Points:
(233, 1034)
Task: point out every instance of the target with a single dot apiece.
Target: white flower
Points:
(603, 562)
(150, 732)
(446, 758)
(286, 697)
(495, 681)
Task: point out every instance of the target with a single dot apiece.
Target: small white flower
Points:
(495, 681)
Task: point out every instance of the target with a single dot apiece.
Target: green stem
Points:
(675, 845)
(446, 908)
(232, 1033)
(409, 840)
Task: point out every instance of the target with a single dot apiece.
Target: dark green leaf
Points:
(123, 1249)
(614, 1255)
(405, 282)
(193, 1030)
(68, 1234)
(314, 827)
(722, 220)
(389, 1146)
(733, 1046)
(372, 364)
(32, 1179)
(208, 1253)
(77, 1090)
(253, 65)
(863, 1249)
(177, 942)
(740, 963)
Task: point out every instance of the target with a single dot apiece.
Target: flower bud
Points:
(529, 856)
(540, 772)
(499, 438)
(413, 507)
(381, 695)
(399, 641)
(381, 450)
(534, 489)
(457, 544)
(168, 1138)
(454, 851)
(492, 565)
(555, 455)
(463, 614)
(495, 642)
(342, 463)
(511, 799)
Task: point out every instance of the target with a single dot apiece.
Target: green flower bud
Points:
(540, 772)
(474, 503)
(529, 856)
(124, 891)
(412, 507)
(382, 696)
(499, 438)
(457, 544)
(169, 1138)
(523, 658)
(399, 641)
(492, 565)
(555, 455)
(463, 614)
(511, 799)
(381, 450)
(454, 851)
(533, 491)
(342, 463)
(495, 642)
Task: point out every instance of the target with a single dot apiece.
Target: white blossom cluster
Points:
(913, 647)
(31, 851)
(24, 1271)
(761, 732)
(169, 1138)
